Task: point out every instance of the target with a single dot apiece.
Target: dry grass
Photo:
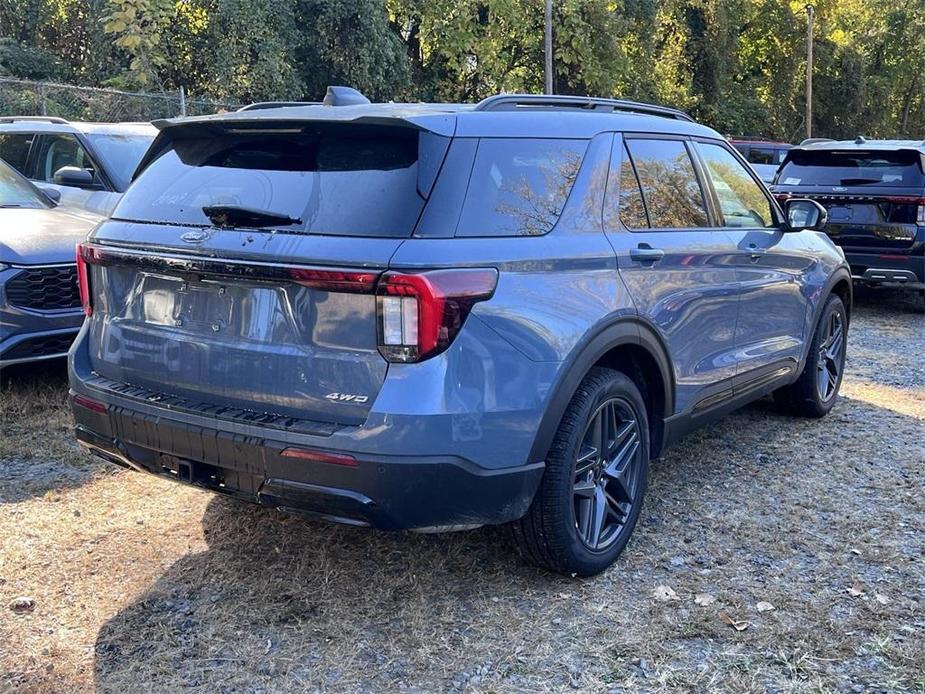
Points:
(143, 585)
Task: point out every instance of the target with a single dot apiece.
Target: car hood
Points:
(42, 236)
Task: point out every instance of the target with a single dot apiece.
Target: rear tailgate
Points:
(875, 197)
(255, 312)
(860, 222)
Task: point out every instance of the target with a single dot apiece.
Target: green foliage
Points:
(349, 42)
(28, 62)
(738, 65)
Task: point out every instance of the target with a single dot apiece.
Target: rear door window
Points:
(330, 179)
(672, 193)
(14, 149)
(518, 187)
(623, 202)
(742, 201)
(867, 169)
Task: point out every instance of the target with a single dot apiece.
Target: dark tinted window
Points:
(518, 187)
(741, 200)
(339, 180)
(762, 155)
(17, 192)
(901, 168)
(120, 154)
(14, 150)
(624, 196)
(669, 184)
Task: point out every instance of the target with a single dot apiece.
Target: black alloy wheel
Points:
(606, 474)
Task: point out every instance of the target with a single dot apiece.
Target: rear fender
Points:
(625, 332)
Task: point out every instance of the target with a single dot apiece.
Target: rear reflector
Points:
(420, 314)
(320, 456)
(90, 404)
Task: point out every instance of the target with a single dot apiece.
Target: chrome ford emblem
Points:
(197, 236)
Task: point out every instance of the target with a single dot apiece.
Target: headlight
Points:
(4, 266)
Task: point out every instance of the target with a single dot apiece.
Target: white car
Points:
(89, 164)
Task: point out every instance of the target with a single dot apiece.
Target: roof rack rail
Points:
(513, 102)
(41, 119)
(264, 105)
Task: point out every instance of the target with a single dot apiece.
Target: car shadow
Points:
(889, 300)
(278, 602)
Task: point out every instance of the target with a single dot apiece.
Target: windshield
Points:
(15, 191)
(895, 169)
(120, 154)
(336, 180)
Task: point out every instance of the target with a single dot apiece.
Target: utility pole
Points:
(810, 14)
(548, 42)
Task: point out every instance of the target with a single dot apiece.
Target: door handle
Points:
(646, 254)
(754, 253)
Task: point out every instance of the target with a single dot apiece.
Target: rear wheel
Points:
(595, 478)
(816, 391)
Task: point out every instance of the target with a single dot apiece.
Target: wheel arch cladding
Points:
(630, 347)
(842, 288)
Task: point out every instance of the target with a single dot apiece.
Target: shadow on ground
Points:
(757, 507)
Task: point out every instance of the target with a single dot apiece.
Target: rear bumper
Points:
(887, 269)
(387, 492)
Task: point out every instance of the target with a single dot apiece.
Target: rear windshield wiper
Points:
(858, 181)
(230, 216)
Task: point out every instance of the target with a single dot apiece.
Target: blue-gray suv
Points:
(436, 316)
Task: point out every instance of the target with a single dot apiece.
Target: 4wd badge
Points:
(347, 397)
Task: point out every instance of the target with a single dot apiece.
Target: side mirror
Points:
(74, 177)
(52, 194)
(805, 214)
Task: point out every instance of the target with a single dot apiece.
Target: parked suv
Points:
(40, 309)
(442, 316)
(90, 164)
(874, 191)
(765, 156)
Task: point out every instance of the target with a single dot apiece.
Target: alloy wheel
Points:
(831, 358)
(606, 474)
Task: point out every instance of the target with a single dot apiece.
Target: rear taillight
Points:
(919, 203)
(420, 314)
(84, 256)
(351, 281)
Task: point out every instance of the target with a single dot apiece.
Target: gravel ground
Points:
(772, 555)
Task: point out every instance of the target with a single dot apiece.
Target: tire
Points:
(825, 366)
(562, 531)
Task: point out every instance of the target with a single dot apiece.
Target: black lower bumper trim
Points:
(386, 493)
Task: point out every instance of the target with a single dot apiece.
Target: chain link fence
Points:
(27, 98)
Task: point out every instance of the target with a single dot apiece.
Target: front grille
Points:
(36, 347)
(44, 288)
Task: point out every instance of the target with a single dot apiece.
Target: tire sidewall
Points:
(601, 385)
(833, 304)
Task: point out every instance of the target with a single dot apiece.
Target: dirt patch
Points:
(138, 583)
